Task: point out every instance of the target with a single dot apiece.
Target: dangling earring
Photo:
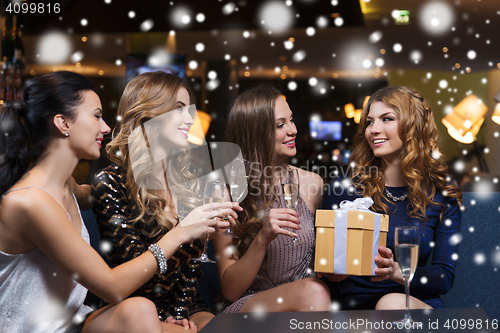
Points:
(66, 134)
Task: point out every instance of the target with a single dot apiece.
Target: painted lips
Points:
(184, 131)
(379, 142)
(290, 143)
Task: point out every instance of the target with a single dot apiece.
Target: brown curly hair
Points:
(423, 164)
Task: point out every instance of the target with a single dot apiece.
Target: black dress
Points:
(174, 293)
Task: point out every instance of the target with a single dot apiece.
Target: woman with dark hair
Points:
(46, 262)
(141, 190)
(398, 163)
(257, 271)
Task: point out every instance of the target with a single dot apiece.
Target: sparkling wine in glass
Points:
(290, 188)
(238, 184)
(406, 240)
(214, 192)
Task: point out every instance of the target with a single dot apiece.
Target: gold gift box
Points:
(360, 230)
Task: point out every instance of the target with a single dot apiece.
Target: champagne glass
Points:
(406, 240)
(289, 179)
(238, 184)
(214, 192)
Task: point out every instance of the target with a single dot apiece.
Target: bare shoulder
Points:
(311, 188)
(17, 209)
(307, 177)
(20, 204)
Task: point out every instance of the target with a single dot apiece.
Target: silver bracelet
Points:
(159, 256)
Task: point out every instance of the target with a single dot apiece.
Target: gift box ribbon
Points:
(340, 248)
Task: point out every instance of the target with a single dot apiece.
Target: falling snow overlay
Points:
(322, 58)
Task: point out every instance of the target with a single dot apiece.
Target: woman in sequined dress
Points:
(134, 202)
(399, 165)
(46, 261)
(257, 272)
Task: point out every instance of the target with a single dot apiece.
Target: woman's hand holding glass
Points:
(387, 268)
(277, 221)
(223, 213)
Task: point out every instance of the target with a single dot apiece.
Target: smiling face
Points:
(88, 129)
(178, 121)
(382, 131)
(285, 131)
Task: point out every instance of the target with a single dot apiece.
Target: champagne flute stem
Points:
(407, 291)
(205, 246)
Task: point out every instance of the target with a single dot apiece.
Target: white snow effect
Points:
(416, 56)
(443, 84)
(212, 75)
(212, 85)
(228, 8)
(436, 17)
(54, 48)
(292, 85)
(335, 306)
(495, 258)
(379, 62)
(276, 16)
(77, 56)
(200, 47)
(375, 37)
(339, 21)
(322, 22)
(147, 25)
(436, 154)
(200, 17)
(310, 31)
(397, 47)
(84, 22)
(455, 239)
(471, 54)
(193, 64)
(159, 57)
(299, 56)
(313, 81)
(479, 258)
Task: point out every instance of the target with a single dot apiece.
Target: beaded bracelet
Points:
(159, 256)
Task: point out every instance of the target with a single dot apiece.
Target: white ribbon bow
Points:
(358, 204)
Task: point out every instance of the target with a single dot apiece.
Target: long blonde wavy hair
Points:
(422, 162)
(145, 97)
(251, 125)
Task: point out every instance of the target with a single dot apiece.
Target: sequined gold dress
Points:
(174, 292)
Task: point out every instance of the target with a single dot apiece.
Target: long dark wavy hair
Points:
(252, 126)
(422, 162)
(27, 127)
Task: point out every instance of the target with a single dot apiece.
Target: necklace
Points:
(393, 198)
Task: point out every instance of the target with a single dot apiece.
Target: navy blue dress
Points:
(436, 241)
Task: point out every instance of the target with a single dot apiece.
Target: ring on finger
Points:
(226, 217)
